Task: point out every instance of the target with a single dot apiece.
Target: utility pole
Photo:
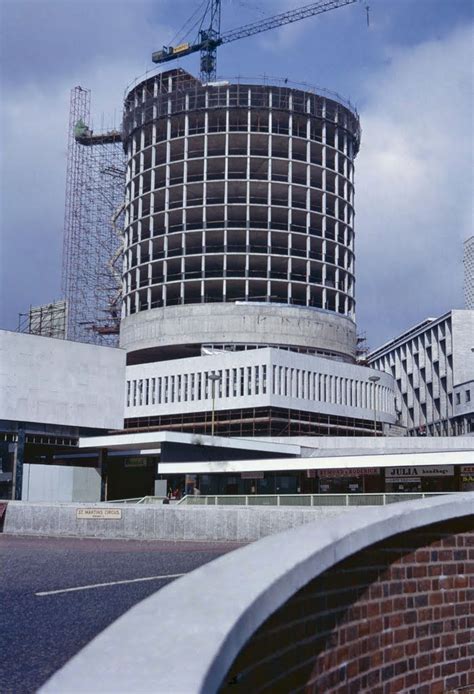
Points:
(374, 380)
(213, 377)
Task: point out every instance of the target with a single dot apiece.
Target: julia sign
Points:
(420, 471)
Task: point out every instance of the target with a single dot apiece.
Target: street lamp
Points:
(374, 379)
(213, 377)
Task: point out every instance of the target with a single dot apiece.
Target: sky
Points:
(409, 73)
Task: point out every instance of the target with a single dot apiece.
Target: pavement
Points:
(56, 594)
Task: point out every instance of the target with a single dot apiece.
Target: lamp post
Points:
(374, 379)
(213, 377)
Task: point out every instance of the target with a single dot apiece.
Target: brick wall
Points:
(395, 617)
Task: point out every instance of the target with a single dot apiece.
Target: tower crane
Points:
(209, 39)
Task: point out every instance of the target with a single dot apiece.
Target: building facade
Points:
(239, 261)
(468, 262)
(52, 392)
(433, 368)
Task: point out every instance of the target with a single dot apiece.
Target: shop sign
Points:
(252, 475)
(467, 469)
(396, 473)
(99, 513)
(349, 472)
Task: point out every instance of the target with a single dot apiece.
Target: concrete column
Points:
(103, 473)
(18, 461)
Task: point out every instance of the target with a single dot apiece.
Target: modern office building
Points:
(433, 368)
(239, 262)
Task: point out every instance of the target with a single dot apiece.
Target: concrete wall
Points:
(463, 344)
(463, 365)
(60, 382)
(160, 522)
(60, 483)
(376, 601)
(239, 323)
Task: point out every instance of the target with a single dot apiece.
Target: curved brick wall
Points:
(396, 617)
(377, 600)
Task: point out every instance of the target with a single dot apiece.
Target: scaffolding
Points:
(93, 225)
(49, 320)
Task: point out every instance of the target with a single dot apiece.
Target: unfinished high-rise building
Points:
(238, 278)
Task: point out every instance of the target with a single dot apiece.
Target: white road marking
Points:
(110, 583)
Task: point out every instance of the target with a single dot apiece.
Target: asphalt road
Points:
(42, 624)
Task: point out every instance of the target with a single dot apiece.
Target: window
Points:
(458, 398)
(468, 396)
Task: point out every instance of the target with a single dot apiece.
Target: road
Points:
(56, 594)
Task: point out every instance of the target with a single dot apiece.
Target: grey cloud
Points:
(414, 186)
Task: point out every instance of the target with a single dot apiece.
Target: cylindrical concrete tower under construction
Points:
(239, 219)
(238, 309)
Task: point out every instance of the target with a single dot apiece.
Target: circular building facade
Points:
(239, 219)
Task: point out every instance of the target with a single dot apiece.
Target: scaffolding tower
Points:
(92, 243)
(48, 320)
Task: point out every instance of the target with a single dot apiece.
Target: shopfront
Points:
(431, 478)
(349, 481)
(466, 478)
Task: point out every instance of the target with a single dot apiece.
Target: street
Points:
(56, 594)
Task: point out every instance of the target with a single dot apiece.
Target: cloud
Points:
(48, 47)
(414, 185)
(43, 40)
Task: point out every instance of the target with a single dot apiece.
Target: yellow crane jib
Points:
(172, 52)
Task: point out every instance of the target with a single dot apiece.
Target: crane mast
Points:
(209, 39)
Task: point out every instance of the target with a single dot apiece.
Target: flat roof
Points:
(354, 461)
(152, 440)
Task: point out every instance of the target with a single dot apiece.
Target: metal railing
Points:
(139, 500)
(311, 500)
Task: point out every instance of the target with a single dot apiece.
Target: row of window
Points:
(236, 135)
(252, 380)
(466, 399)
(213, 291)
(319, 156)
(337, 390)
(203, 385)
(146, 104)
(209, 232)
(240, 97)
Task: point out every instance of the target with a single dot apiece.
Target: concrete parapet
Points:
(225, 603)
(158, 522)
(240, 323)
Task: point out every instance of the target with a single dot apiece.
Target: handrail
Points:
(360, 499)
(138, 500)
